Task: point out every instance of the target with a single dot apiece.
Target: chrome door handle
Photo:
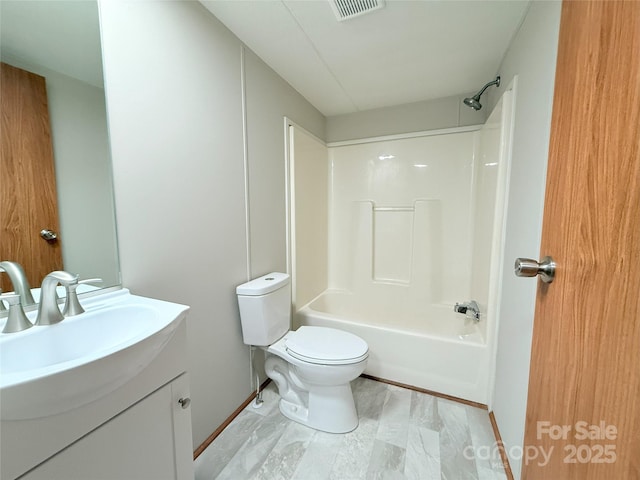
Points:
(48, 235)
(526, 267)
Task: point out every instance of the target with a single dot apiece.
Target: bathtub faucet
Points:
(468, 308)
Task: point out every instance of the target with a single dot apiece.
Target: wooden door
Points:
(583, 409)
(28, 201)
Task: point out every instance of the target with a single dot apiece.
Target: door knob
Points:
(526, 267)
(48, 235)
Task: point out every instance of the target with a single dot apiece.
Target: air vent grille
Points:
(346, 9)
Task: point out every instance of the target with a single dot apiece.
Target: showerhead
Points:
(474, 102)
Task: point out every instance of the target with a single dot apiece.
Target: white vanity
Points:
(104, 394)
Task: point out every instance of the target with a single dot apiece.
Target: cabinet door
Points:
(149, 440)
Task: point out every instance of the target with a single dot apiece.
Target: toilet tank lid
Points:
(263, 285)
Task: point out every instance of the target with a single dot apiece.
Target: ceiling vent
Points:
(346, 9)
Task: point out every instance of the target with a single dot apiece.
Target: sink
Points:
(47, 370)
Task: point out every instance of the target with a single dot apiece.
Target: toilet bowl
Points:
(312, 367)
(316, 390)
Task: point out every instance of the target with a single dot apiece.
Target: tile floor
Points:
(402, 434)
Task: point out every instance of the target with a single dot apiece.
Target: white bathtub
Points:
(432, 348)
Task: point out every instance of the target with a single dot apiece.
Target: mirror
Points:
(60, 41)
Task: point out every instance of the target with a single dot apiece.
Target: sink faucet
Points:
(19, 280)
(468, 308)
(72, 304)
(16, 319)
(48, 311)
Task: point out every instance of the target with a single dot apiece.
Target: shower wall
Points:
(408, 225)
(401, 220)
(490, 170)
(309, 201)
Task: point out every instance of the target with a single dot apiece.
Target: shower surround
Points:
(411, 228)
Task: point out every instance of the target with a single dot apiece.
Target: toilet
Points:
(312, 367)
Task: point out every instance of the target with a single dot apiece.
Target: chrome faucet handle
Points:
(48, 310)
(72, 304)
(2, 307)
(16, 319)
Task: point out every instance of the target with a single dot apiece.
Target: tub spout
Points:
(470, 308)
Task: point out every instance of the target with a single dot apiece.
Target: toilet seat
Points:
(326, 346)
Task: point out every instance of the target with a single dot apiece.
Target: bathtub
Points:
(431, 347)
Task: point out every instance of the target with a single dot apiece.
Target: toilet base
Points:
(331, 409)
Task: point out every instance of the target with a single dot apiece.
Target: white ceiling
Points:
(407, 51)
(63, 36)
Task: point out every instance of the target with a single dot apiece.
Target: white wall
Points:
(532, 56)
(435, 114)
(269, 100)
(172, 78)
(174, 83)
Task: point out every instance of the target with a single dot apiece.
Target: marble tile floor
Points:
(402, 434)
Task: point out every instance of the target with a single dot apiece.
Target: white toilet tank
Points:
(265, 308)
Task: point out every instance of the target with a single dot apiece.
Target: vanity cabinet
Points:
(137, 431)
(150, 440)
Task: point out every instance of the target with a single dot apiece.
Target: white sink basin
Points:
(51, 369)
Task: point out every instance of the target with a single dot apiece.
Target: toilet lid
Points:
(326, 346)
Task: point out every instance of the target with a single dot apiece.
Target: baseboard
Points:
(503, 453)
(226, 423)
(428, 392)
